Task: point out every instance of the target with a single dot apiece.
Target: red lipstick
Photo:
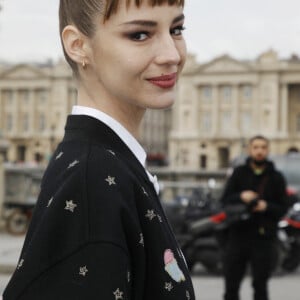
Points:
(164, 81)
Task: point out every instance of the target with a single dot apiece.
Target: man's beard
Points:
(259, 162)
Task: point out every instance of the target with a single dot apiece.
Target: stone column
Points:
(215, 110)
(235, 110)
(2, 117)
(284, 109)
(2, 188)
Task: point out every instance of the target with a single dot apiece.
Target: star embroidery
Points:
(60, 154)
(141, 240)
(20, 264)
(83, 271)
(112, 152)
(150, 214)
(128, 276)
(49, 202)
(168, 286)
(159, 218)
(144, 191)
(70, 206)
(118, 294)
(73, 164)
(188, 297)
(110, 180)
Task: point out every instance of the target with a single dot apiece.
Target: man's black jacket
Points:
(271, 187)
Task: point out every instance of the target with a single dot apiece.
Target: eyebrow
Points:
(152, 23)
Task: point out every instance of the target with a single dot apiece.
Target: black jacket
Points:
(271, 186)
(98, 229)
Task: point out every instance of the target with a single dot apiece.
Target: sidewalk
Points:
(10, 248)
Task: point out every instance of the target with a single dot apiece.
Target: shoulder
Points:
(240, 170)
(105, 166)
(279, 176)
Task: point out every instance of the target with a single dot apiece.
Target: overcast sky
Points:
(240, 28)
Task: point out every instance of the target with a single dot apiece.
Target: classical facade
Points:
(34, 103)
(224, 102)
(155, 130)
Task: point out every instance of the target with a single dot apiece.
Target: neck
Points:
(130, 116)
(255, 167)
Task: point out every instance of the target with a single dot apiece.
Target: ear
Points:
(74, 44)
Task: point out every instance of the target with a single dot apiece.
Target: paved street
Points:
(211, 288)
(284, 287)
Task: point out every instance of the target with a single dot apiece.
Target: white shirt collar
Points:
(122, 132)
(117, 127)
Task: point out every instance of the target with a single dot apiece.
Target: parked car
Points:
(22, 185)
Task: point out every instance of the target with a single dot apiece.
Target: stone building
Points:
(34, 103)
(225, 101)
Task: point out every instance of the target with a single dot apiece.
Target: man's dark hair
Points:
(259, 137)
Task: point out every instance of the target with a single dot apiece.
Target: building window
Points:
(246, 120)
(42, 96)
(247, 92)
(298, 123)
(226, 93)
(207, 93)
(206, 122)
(42, 122)
(8, 97)
(24, 96)
(203, 161)
(225, 121)
(9, 122)
(25, 122)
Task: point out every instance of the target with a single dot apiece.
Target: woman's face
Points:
(137, 55)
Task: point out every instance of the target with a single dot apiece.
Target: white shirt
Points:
(122, 132)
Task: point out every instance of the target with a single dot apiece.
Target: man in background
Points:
(261, 189)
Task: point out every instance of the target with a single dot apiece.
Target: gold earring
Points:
(83, 64)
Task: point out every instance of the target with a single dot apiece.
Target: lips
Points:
(164, 81)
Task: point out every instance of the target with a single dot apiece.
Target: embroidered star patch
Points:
(20, 264)
(150, 214)
(73, 164)
(168, 286)
(141, 240)
(128, 276)
(112, 152)
(49, 202)
(110, 180)
(70, 206)
(59, 155)
(83, 271)
(118, 294)
(159, 218)
(144, 191)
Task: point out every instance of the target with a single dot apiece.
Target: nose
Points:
(169, 51)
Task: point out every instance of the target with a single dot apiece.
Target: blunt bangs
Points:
(112, 5)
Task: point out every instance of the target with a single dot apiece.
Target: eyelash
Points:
(180, 28)
(136, 36)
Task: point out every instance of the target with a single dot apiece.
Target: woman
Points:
(99, 231)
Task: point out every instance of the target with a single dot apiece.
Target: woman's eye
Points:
(177, 30)
(139, 36)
